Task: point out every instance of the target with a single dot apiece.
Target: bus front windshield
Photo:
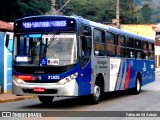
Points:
(45, 49)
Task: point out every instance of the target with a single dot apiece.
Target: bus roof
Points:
(94, 24)
(116, 30)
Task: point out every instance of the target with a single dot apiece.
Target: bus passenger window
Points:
(120, 46)
(130, 53)
(145, 50)
(110, 44)
(110, 50)
(151, 55)
(138, 54)
(99, 43)
(145, 54)
(110, 38)
(86, 46)
(129, 42)
(121, 40)
(144, 45)
(138, 44)
(120, 52)
(151, 47)
(151, 51)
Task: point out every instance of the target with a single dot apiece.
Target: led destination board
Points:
(43, 24)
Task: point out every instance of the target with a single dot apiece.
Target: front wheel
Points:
(46, 99)
(97, 93)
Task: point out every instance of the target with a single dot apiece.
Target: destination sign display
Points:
(45, 24)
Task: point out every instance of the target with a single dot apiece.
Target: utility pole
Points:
(116, 21)
(53, 10)
(117, 14)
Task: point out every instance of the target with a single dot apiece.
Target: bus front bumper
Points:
(45, 89)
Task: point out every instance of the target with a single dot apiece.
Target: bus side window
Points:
(86, 46)
(130, 53)
(151, 51)
(86, 40)
(121, 46)
(110, 44)
(145, 50)
(138, 44)
(99, 42)
(138, 54)
(129, 43)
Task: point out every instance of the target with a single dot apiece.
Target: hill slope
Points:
(154, 4)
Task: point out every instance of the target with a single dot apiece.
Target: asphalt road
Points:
(112, 104)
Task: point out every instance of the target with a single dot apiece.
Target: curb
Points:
(16, 99)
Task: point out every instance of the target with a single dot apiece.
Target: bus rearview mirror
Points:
(7, 41)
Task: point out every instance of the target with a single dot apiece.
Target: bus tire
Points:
(137, 89)
(46, 99)
(97, 93)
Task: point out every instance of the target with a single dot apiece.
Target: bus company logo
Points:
(101, 62)
(114, 66)
(144, 67)
(53, 62)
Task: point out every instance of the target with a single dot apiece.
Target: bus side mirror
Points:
(7, 41)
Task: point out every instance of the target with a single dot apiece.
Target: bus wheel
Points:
(137, 88)
(46, 99)
(96, 96)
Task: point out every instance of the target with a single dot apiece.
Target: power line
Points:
(63, 6)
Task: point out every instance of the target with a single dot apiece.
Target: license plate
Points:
(39, 89)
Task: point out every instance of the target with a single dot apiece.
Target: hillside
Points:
(154, 4)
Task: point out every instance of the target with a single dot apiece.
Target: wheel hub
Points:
(97, 91)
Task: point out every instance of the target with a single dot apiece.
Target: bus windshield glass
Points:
(45, 49)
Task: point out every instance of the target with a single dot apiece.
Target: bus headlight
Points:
(68, 79)
(18, 80)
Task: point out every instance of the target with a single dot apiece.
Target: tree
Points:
(146, 13)
(96, 10)
(14, 9)
(127, 12)
(105, 10)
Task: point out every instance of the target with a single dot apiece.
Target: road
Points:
(147, 100)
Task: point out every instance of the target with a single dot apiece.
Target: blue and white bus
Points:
(72, 56)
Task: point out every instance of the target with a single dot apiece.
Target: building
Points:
(156, 28)
(6, 56)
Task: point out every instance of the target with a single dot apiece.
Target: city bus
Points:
(71, 56)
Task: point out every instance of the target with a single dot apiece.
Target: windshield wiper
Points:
(52, 39)
(47, 45)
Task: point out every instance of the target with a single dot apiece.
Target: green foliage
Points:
(105, 10)
(14, 9)
(127, 12)
(146, 13)
(96, 10)
(150, 7)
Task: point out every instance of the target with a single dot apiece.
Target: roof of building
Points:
(4, 26)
